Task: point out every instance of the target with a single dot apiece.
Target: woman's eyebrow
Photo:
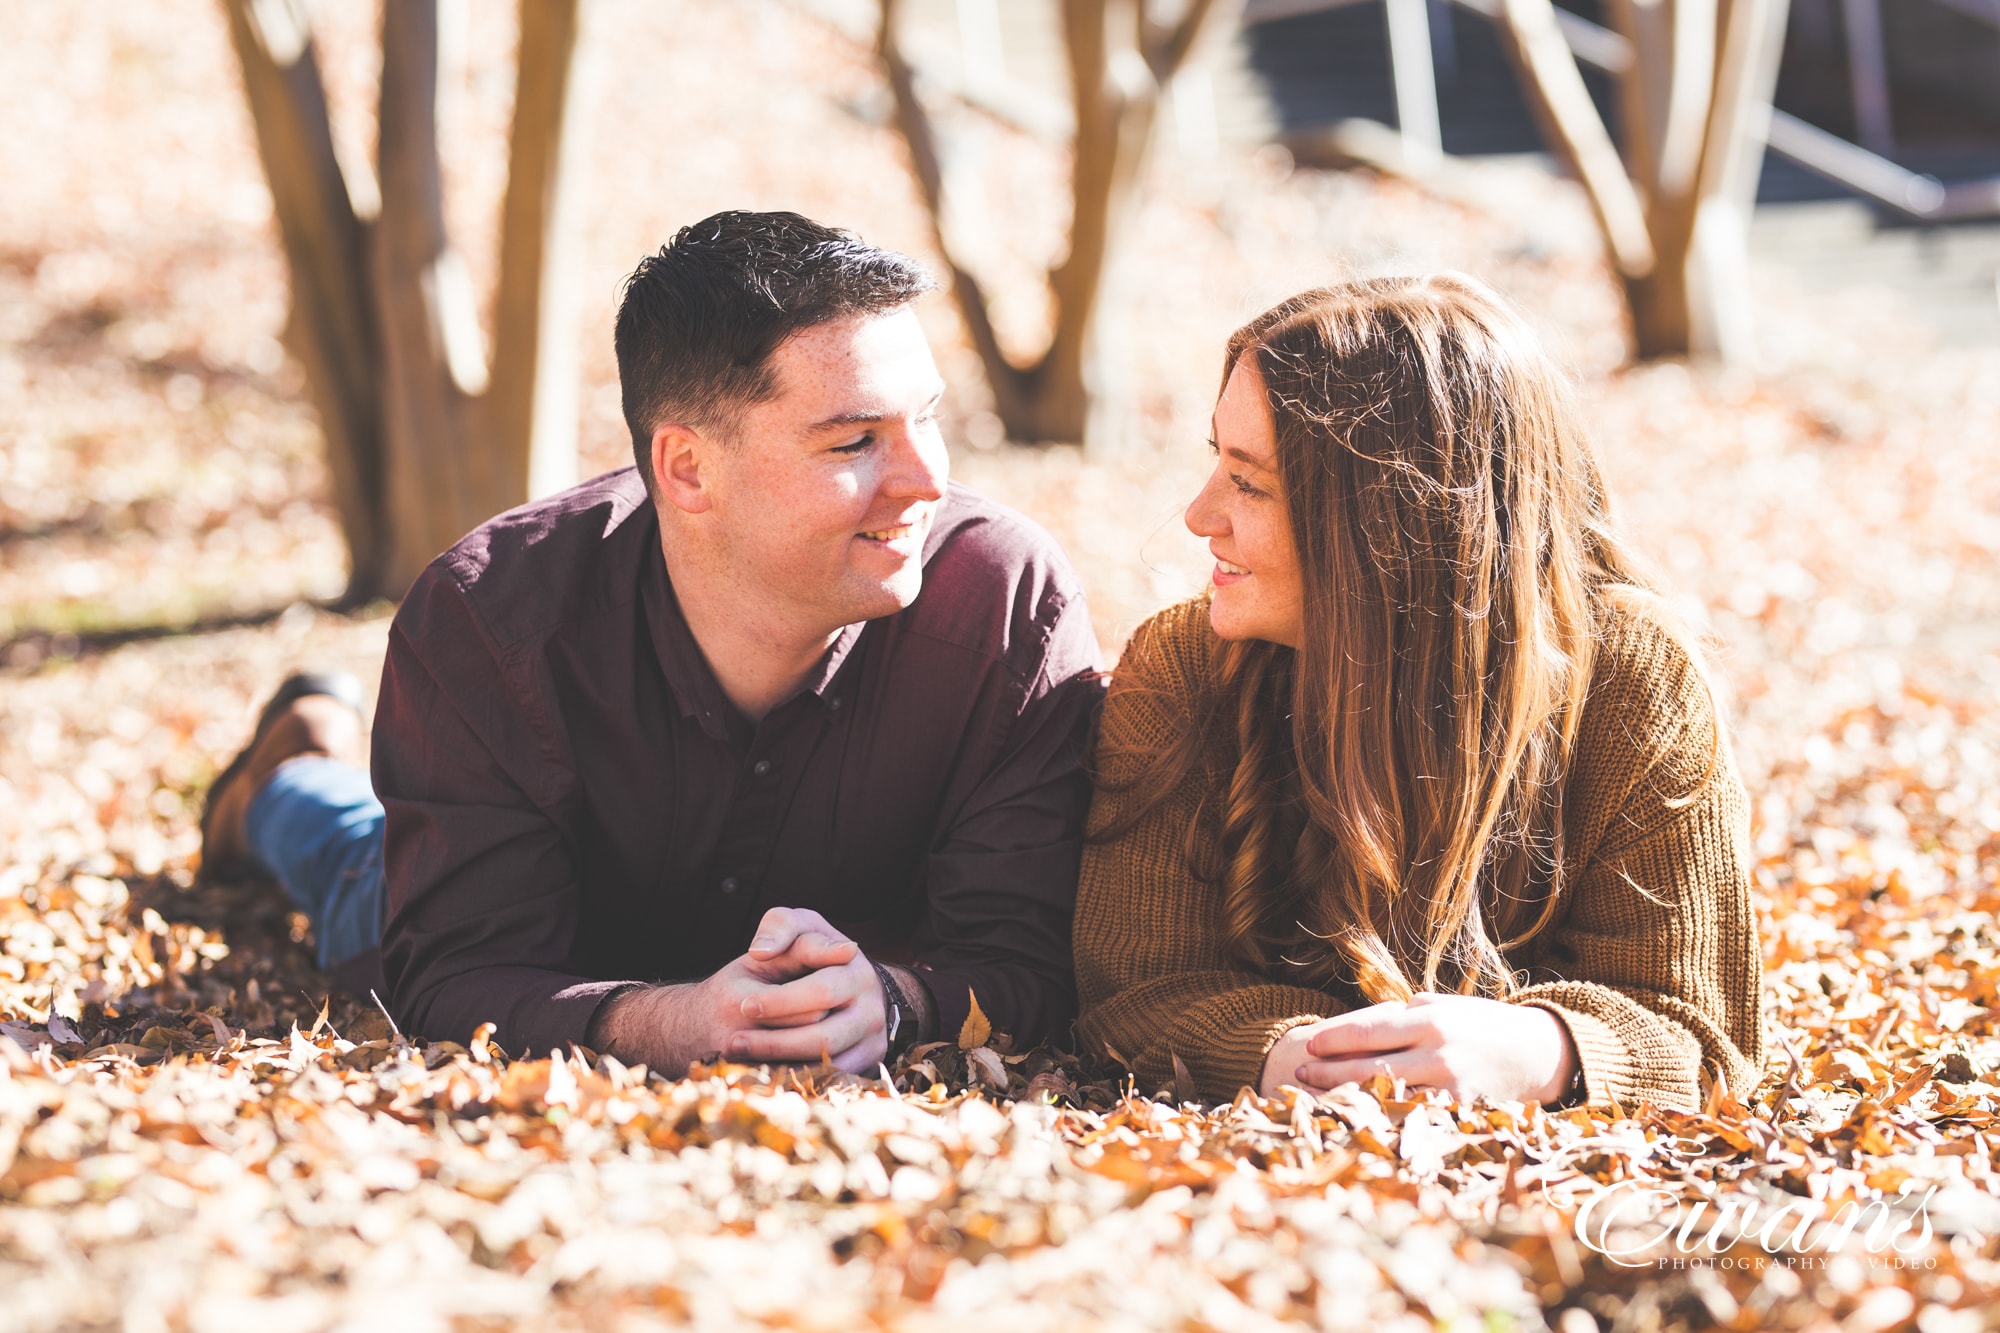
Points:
(1250, 460)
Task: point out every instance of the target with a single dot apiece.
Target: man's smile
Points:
(902, 539)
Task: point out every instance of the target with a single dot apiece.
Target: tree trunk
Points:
(1657, 300)
(1120, 61)
(384, 316)
(1675, 210)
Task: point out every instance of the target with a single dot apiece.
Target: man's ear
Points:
(681, 467)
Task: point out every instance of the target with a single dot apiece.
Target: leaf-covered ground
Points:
(192, 1137)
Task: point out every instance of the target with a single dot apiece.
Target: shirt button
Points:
(833, 704)
(729, 885)
(761, 767)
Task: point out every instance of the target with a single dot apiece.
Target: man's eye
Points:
(855, 446)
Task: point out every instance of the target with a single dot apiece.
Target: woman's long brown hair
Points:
(1398, 782)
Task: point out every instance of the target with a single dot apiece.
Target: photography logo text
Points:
(1637, 1224)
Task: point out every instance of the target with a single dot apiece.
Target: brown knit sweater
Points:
(1652, 961)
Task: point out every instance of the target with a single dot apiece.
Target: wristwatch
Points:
(892, 1007)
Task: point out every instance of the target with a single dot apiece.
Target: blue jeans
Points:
(317, 827)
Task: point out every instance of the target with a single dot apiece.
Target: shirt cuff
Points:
(951, 993)
(550, 1022)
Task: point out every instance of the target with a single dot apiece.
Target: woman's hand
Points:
(1469, 1046)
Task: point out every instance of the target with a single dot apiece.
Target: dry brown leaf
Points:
(987, 1067)
(977, 1029)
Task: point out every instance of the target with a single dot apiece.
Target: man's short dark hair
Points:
(699, 320)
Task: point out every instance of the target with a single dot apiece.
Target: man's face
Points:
(825, 493)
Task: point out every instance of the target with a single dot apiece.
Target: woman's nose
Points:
(1203, 516)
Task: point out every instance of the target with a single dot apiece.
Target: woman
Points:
(1429, 783)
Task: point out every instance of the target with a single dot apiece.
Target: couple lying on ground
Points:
(778, 746)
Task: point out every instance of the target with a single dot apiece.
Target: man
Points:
(771, 746)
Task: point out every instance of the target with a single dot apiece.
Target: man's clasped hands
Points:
(803, 992)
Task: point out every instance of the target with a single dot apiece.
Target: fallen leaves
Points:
(191, 1139)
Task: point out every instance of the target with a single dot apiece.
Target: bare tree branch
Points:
(422, 301)
(1753, 39)
(1168, 46)
(914, 121)
(530, 410)
(1118, 63)
(1556, 91)
(1691, 92)
(331, 327)
(1719, 315)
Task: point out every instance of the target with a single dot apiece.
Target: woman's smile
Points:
(1226, 573)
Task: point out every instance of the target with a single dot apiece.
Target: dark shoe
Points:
(222, 849)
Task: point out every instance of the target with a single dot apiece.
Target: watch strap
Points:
(892, 1009)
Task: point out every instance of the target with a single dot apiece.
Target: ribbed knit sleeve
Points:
(1153, 979)
(1652, 961)
(1654, 964)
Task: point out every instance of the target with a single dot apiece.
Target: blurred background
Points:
(261, 357)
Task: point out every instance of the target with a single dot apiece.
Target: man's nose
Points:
(919, 466)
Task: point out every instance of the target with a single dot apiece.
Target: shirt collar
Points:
(686, 668)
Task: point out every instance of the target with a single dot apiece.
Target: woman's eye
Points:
(1214, 448)
(1244, 486)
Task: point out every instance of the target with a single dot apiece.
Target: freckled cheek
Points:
(855, 486)
(1253, 540)
(818, 511)
(835, 497)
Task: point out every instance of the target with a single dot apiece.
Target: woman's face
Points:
(1258, 593)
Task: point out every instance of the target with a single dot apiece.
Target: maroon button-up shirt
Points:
(573, 803)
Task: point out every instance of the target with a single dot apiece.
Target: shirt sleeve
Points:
(482, 896)
(1000, 880)
(1654, 965)
(1153, 974)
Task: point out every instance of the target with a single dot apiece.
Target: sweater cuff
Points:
(1235, 1060)
(1606, 1061)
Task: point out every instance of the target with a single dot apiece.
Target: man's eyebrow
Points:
(864, 416)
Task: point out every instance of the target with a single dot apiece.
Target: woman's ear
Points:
(681, 468)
